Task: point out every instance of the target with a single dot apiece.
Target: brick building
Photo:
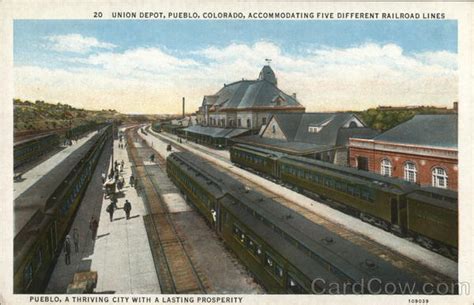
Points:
(422, 150)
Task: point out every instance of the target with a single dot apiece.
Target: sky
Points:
(147, 66)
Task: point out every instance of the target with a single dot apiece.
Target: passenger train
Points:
(286, 252)
(427, 214)
(44, 213)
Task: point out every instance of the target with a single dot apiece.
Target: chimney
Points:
(294, 95)
(184, 104)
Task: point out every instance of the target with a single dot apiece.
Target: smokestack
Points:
(184, 103)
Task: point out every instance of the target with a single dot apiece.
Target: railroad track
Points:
(418, 269)
(176, 272)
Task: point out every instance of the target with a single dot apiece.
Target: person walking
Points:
(127, 207)
(132, 180)
(113, 202)
(110, 209)
(75, 239)
(67, 250)
(93, 225)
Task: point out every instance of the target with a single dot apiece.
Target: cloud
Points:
(76, 43)
(154, 79)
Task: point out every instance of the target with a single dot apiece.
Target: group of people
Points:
(121, 143)
(127, 207)
(93, 223)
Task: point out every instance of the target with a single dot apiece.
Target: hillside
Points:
(41, 116)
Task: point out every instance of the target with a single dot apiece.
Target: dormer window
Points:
(278, 100)
(314, 129)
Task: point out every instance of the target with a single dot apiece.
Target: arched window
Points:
(273, 129)
(410, 172)
(439, 177)
(352, 124)
(248, 123)
(386, 167)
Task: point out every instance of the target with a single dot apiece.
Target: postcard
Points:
(236, 152)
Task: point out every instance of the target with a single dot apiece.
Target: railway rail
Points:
(176, 271)
(375, 248)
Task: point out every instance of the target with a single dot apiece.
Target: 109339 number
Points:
(418, 301)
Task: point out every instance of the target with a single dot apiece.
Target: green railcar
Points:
(394, 204)
(31, 149)
(374, 198)
(261, 160)
(203, 194)
(433, 213)
(52, 203)
(286, 252)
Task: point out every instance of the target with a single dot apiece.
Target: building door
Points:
(363, 163)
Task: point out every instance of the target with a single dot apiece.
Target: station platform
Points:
(33, 175)
(120, 254)
(406, 248)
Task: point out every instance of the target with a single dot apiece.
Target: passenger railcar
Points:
(43, 214)
(286, 252)
(386, 202)
(30, 149)
(430, 208)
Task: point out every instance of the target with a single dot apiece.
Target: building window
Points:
(273, 129)
(264, 121)
(440, 177)
(248, 123)
(386, 168)
(410, 172)
(239, 122)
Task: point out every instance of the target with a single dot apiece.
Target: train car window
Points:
(28, 275)
(242, 237)
(350, 190)
(278, 270)
(294, 286)
(236, 230)
(39, 258)
(269, 262)
(356, 191)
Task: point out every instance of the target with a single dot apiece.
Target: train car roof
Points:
(370, 178)
(259, 149)
(442, 198)
(34, 138)
(350, 259)
(34, 199)
(199, 170)
(282, 246)
(347, 257)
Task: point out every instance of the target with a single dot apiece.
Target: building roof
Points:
(291, 147)
(260, 93)
(299, 140)
(216, 132)
(436, 130)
